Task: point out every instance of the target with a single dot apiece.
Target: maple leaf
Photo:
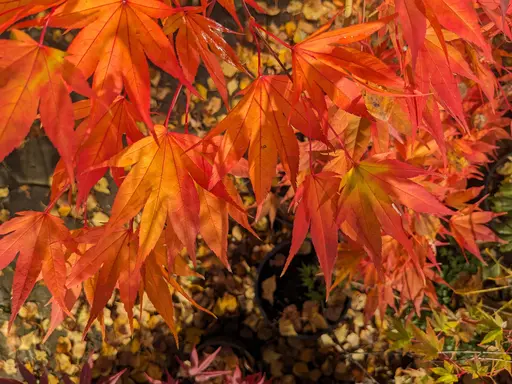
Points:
(347, 263)
(269, 207)
(40, 240)
(197, 370)
(199, 38)
(214, 223)
(237, 378)
(458, 199)
(399, 334)
(413, 23)
(156, 281)
(259, 122)
(229, 5)
(369, 191)
(216, 205)
(162, 181)
(14, 10)
(84, 238)
(403, 269)
(316, 212)
(86, 374)
(58, 315)
(389, 111)
(426, 343)
(435, 69)
(460, 17)
(116, 254)
(467, 227)
(33, 75)
(320, 62)
(350, 133)
(104, 141)
(114, 42)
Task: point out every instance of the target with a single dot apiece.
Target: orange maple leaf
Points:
(468, 226)
(14, 10)
(260, 122)
(162, 181)
(316, 212)
(160, 286)
(199, 38)
(114, 42)
(320, 62)
(103, 142)
(229, 5)
(216, 205)
(32, 76)
(114, 257)
(40, 239)
(368, 194)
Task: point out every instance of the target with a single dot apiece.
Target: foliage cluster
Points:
(376, 129)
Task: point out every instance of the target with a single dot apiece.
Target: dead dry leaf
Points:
(286, 327)
(226, 303)
(102, 186)
(269, 287)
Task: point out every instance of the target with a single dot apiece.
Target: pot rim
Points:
(258, 299)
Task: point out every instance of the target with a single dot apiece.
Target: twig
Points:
(364, 370)
(273, 53)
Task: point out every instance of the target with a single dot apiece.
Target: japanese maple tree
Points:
(376, 130)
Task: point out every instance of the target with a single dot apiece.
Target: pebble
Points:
(296, 343)
(341, 333)
(264, 333)
(367, 336)
(315, 374)
(340, 371)
(326, 341)
(288, 379)
(354, 340)
(252, 321)
(358, 320)
(327, 367)
(232, 86)
(359, 355)
(236, 232)
(162, 93)
(300, 369)
(269, 355)
(358, 301)
(249, 293)
(307, 354)
(276, 368)
(333, 313)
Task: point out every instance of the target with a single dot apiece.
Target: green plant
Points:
(309, 279)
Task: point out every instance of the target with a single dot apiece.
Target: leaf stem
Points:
(45, 27)
(274, 54)
(173, 104)
(282, 42)
(54, 201)
(187, 109)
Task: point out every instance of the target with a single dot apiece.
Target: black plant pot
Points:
(289, 289)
